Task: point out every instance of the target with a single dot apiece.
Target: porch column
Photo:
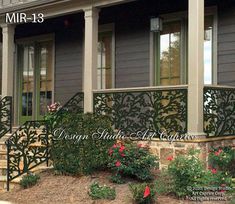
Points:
(195, 67)
(8, 32)
(90, 57)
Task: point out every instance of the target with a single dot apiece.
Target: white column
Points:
(195, 67)
(8, 32)
(90, 57)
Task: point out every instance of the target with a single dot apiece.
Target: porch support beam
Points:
(90, 57)
(8, 47)
(195, 67)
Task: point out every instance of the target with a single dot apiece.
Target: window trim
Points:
(110, 28)
(26, 40)
(182, 16)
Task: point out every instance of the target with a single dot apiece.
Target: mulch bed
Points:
(58, 189)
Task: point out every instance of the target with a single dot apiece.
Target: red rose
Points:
(123, 155)
(118, 163)
(121, 148)
(146, 192)
(110, 152)
(170, 158)
(213, 171)
(217, 153)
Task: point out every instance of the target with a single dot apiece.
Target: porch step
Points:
(15, 182)
(3, 154)
(3, 167)
(3, 162)
(7, 135)
(3, 146)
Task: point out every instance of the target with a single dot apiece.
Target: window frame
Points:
(183, 18)
(104, 29)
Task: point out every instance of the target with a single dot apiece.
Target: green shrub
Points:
(143, 193)
(164, 183)
(29, 180)
(218, 178)
(78, 151)
(101, 192)
(223, 159)
(117, 178)
(187, 171)
(131, 160)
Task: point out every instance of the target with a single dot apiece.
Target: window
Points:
(105, 61)
(171, 53)
(208, 50)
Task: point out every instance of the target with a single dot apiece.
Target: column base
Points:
(200, 135)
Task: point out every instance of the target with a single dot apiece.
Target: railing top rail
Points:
(25, 123)
(219, 86)
(136, 89)
(68, 102)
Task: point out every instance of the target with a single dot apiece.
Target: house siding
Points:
(226, 46)
(132, 47)
(68, 60)
(132, 55)
(0, 68)
(68, 64)
(132, 41)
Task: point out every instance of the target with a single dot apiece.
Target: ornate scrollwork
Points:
(219, 111)
(73, 106)
(5, 115)
(158, 110)
(27, 148)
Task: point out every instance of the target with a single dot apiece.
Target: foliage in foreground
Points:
(223, 159)
(29, 180)
(164, 183)
(129, 159)
(76, 150)
(101, 192)
(143, 193)
(188, 172)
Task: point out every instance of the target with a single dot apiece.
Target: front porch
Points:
(150, 67)
(143, 80)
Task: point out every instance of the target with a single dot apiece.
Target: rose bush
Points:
(189, 172)
(223, 159)
(128, 159)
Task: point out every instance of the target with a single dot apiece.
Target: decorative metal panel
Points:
(132, 111)
(219, 111)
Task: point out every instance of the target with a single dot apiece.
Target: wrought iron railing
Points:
(74, 106)
(5, 115)
(219, 111)
(156, 109)
(27, 148)
(30, 145)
